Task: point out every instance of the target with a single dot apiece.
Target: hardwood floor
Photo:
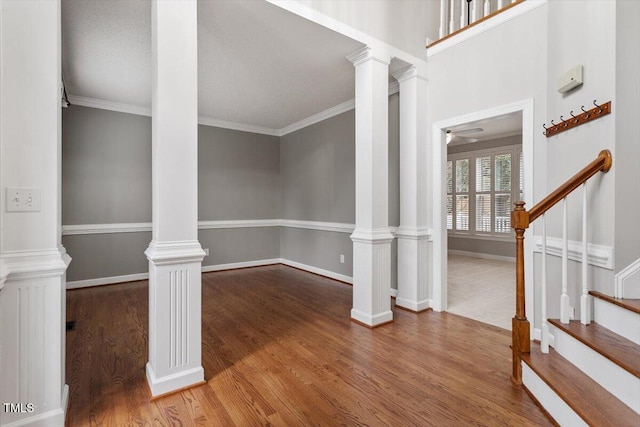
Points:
(279, 349)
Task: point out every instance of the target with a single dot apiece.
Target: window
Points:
(482, 186)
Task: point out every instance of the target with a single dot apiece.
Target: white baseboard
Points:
(219, 267)
(317, 270)
(244, 264)
(107, 280)
(482, 256)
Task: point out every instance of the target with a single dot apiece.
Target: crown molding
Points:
(316, 118)
(101, 104)
(206, 121)
(82, 101)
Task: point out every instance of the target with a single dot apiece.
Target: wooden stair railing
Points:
(520, 220)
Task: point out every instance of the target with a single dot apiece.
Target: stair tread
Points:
(629, 304)
(619, 350)
(586, 397)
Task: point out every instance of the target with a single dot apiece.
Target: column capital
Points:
(412, 71)
(167, 253)
(368, 53)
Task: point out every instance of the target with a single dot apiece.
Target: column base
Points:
(175, 382)
(33, 353)
(372, 277)
(175, 300)
(413, 283)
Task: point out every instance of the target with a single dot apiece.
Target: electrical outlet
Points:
(23, 199)
(341, 259)
(206, 252)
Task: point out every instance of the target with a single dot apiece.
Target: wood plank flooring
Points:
(279, 349)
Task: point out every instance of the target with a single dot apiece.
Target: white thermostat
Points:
(570, 80)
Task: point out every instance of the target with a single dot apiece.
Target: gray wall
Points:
(106, 178)
(106, 167)
(483, 246)
(317, 166)
(306, 175)
(238, 175)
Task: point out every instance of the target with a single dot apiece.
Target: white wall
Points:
(404, 24)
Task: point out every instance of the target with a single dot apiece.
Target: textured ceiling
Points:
(258, 64)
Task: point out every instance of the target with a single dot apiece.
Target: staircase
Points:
(582, 372)
(591, 376)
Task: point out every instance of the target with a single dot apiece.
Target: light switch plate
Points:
(23, 199)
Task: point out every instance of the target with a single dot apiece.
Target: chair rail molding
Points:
(598, 255)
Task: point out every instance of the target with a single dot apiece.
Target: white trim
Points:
(224, 124)
(506, 238)
(71, 230)
(439, 226)
(32, 264)
(393, 293)
(318, 225)
(628, 281)
(316, 118)
(132, 227)
(242, 223)
(483, 256)
(487, 25)
(77, 284)
(101, 104)
(243, 264)
(598, 255)
(317, 270)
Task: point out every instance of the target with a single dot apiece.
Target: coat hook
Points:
(544, 125)
(564, 123)
(576, 119)
(552, 124)
(585, 111)
(599, 107)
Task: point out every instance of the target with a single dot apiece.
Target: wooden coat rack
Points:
(573, 121)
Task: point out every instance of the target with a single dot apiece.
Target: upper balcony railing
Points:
(457, 16)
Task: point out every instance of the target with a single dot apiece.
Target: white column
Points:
(413, 291)
(371, 237)
(175, 255)
(32, 259)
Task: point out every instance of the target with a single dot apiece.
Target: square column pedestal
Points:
(174, 316)
(372, 277)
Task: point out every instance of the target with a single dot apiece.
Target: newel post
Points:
(520, 341)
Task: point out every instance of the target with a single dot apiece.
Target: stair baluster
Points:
(564, 298)
(544, 336)
(585, 299)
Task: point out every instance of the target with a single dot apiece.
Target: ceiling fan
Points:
(457, 137)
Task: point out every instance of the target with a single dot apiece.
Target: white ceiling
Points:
(492, 128)
(258, 64)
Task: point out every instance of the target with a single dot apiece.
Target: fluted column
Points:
(32, 260)
(371, 237)
(413, 234)
(175, 255)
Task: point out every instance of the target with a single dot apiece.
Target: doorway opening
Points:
(482, 166)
